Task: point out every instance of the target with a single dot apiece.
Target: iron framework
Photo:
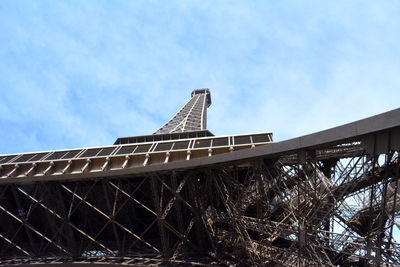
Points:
(327, 199)
(192, 117)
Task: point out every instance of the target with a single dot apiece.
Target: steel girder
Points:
(155, 216)
(337, 205)
(304, 209)
(330, 198)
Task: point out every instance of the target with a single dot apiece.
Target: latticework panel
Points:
(289, 212)
(192, 117)
(155, 215)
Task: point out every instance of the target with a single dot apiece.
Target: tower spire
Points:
(193, 115)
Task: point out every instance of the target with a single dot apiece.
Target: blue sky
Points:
(82, 73)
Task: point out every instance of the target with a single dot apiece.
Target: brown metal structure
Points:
(331, 198)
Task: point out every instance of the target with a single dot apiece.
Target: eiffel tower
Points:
(182, 196)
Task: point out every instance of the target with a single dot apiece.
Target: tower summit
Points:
(193, 115)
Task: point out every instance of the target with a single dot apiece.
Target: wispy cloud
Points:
(82, 74)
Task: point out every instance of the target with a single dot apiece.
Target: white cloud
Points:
(84, 74)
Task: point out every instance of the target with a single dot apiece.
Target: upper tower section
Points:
(193, 115)
(203, 91)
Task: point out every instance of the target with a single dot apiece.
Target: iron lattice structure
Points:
(193, 115)
(327, 199)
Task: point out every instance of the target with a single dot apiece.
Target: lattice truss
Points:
(193, 115)
(153, 217)
(326, 207)
(335, 205)
(327, 199)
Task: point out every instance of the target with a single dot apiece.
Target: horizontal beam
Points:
(387, 124)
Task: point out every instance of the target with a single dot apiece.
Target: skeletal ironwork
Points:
(331, 198)
(192, 117)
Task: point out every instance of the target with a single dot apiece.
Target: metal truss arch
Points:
(330, 198)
